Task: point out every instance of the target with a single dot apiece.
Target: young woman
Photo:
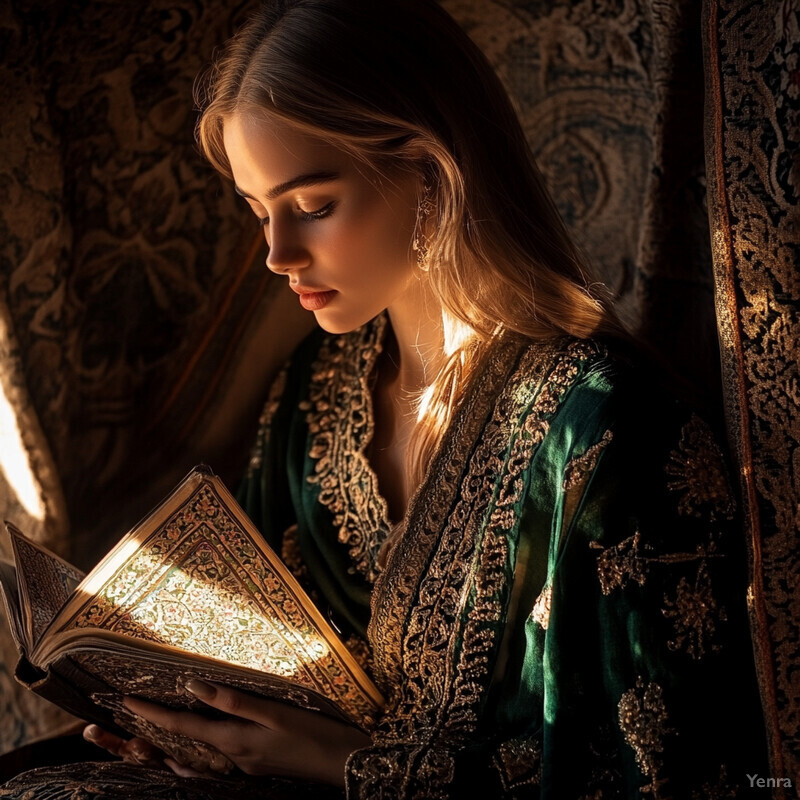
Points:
(531, 541)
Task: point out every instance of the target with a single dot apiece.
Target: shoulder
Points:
(587, 379)
(592, 406)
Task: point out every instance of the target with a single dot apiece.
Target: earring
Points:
(420, 243)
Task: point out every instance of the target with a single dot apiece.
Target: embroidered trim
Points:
(340, 423)
(697, 469)
(265, 421)
(455, 552)
(292, 557)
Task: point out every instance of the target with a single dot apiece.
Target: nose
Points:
(286, 248)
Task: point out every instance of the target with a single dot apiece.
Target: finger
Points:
(187, 723)
(140, 751)
(268, 713)
(136, 750)
(102, 738)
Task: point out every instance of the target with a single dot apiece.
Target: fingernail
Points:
(201, 689)
(91, 732)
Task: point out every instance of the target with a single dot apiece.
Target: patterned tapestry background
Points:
(138, 328)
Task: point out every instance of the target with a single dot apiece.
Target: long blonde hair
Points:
(398, 85)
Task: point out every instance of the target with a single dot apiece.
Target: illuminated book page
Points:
(45, 583)
(203, 580)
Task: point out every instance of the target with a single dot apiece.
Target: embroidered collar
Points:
(341, 423)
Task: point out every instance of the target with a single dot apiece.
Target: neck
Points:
(416, 320)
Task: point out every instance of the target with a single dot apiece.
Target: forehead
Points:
(264, 151)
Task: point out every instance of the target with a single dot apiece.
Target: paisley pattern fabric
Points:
(610, 100)
(752, 147)
(129, 287)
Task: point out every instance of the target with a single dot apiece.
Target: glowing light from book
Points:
(196, 612)
(119, 555)
(15, 463)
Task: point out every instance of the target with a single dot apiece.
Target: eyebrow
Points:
(301, 181)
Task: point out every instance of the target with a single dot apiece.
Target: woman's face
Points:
(342, 238)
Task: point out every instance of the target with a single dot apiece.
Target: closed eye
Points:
(320, 213)
(306, 216)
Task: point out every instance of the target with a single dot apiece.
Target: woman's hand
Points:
(261, 737)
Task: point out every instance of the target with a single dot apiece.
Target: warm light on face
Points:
(15, 463)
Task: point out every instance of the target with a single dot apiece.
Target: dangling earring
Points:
(420, 243)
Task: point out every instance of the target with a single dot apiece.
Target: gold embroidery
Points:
(455, 550)
(340, 422)
(265, 420)
(541, 608)
(519, 763)
(579, 467)
(698, 471)
(643, 721)
(493, 570)
(576, 478)
(693, 611)
(618, 565)
(695, 614)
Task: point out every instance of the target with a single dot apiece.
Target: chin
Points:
(338, 325)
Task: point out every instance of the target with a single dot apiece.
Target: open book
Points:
(193, 591)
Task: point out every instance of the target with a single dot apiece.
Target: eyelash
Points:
(307, 216)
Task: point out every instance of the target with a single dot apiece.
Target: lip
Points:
(314, 300)
(308, 289)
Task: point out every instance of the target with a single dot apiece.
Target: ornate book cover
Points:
(193, 591)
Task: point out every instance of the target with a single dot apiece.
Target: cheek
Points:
(389, 232)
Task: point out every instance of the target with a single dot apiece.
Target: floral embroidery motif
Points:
(643, 721)
(698, 471)
(541, 608)
(519, 763)
(580, 467)
(265, 421)
(618, 565)
(340, 422)
(695, 614)
(455, 554)
(693, 611)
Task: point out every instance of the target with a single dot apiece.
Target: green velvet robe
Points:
(564, 615)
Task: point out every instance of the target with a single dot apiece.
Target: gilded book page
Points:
(197, 576)
(45, 583)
